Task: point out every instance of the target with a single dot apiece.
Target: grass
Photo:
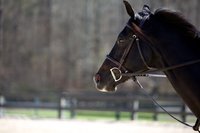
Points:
(31, 113)
(85, 115)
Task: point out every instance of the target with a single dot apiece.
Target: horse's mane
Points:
(176, 21)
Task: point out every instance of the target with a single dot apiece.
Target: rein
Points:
(120, 71)
(197, 123)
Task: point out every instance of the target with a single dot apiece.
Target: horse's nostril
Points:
(97, 78)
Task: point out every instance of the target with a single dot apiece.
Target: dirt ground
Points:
(8, 125)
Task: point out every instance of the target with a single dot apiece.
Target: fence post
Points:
(135, 109)
(72, 107)
(37, 104)
(155, 115)
(117, 115)
(2, 102)
(59, 105)
(63, 104)
(183, 112)
(118, 105)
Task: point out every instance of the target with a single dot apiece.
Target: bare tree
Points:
(59, 44)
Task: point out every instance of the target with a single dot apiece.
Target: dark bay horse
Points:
(163, 40)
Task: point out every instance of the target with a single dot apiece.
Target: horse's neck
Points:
(185, 80)
(186, 83)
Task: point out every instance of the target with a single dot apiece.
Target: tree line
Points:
(57, 45)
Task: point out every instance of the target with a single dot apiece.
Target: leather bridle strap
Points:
(142, 56)
(158, 69)
(116, 72)
(116, 62)
(164, 69)
(126, 52)
(124, 56)
(197, 123)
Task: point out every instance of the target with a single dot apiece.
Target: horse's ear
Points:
(146, 8)
(129, 9)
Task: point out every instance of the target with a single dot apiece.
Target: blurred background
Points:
(50, 50)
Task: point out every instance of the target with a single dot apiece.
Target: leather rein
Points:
(119, 71)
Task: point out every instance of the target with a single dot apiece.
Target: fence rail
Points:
(117, 104)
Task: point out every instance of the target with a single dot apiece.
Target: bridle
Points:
(120, 64)
(116, 72)
(120, 70)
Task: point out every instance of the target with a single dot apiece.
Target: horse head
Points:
(126, 55)
(164, 40)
